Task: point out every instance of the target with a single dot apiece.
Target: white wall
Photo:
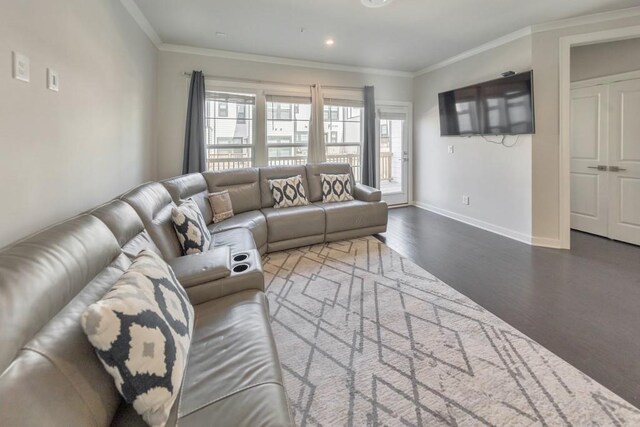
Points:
(63, 153)
(605, 59)
(546, 141)
(497, 179)
(173, 88)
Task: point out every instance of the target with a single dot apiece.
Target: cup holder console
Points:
(240, 257)
(239, 268)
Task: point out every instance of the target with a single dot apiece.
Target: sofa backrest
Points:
(153, 203)
(192, 186)
(50, 373)
(126, 226)
(243, 186)
(313, 176)
(278, 172)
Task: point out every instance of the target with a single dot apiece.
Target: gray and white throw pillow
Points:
(336, 188)
(288, 192)
(141, 330)
(191, 228)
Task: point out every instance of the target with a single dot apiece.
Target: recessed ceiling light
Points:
(375, 3)
(221, 34)
(330, 42)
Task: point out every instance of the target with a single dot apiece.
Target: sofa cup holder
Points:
(240, 268)
(240, 257)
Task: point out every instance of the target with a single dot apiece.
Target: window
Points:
(384, 130)
(242, 114)
(223, 109)
(230, 141)
(287, 129)
(343, 132)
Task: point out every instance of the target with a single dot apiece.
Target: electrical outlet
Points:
(465, 200)
(451, 149)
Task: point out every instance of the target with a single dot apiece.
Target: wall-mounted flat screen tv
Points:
(497, 107)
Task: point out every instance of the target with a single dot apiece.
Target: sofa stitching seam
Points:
(250, 386)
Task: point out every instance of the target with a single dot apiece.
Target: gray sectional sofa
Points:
(49, 371)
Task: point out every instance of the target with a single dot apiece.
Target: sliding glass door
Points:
(393, 143)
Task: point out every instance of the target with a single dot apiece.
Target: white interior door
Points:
(624, 161)
(589, 152)
(393, 143)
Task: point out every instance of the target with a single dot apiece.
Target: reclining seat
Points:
(363, 216)
(244, 191)
(290, 227)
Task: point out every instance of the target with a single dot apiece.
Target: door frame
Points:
(409, 132)
(566, 43)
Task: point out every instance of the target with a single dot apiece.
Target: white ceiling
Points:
(406, 35)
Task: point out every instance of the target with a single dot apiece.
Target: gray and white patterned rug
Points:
(366, 337)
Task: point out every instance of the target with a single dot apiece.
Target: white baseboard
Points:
(515, 235)
(546, 242)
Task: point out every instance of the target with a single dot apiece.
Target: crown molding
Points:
(142, 21)
(477, 50)
(166, 47)
(595, 18)
(146, 27)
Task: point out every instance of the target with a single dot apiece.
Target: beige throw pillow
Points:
(221, 206)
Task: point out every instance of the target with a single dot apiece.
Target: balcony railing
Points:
(386, 158)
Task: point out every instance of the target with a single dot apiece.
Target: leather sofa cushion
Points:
(294, 223)
(153, 203)
(126, 225)
(192, 270)
(313, 176)
(238, 240)
(353, 215)
(243, 186)
(232, 354)
(192, 186)
(252, 220)
(233, 375)
(279, 172)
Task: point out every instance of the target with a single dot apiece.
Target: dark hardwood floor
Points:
(583, 304)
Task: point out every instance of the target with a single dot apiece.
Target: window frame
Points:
(246, 120)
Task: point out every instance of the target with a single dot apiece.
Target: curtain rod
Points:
(229, 79)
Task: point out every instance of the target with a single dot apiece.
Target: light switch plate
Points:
(20, 67)
(465, 200)
(53, 82)
(450, 149)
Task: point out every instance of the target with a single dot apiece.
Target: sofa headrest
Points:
(153, 203)
(278, 172)
(191, 186)
(314, 172)
(41, 274)
(243, 186)
(126, 226)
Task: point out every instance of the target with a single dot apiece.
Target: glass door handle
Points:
(599, 167)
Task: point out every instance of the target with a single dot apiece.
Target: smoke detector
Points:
(376, 3)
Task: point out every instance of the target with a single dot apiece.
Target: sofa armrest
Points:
(193, 270)
(367, 194)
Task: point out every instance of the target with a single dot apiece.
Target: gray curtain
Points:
(194, 153)
(369, 173)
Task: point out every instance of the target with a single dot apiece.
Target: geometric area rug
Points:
(367, 338)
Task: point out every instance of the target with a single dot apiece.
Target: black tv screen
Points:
(497, 107)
